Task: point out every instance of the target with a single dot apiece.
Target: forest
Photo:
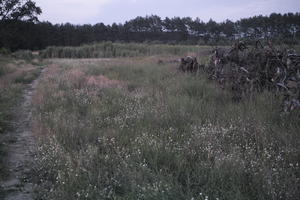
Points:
(16, 34)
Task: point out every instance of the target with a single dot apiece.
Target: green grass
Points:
(159, 134)
(8, 99)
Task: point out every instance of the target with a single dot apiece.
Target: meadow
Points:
(128, 127)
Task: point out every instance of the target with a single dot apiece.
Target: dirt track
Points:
(19, 146)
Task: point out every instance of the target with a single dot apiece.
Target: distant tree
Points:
(20, 29)
(227, 28)
(213, 29)
(24, 10)
(17, 24)
(155, 23)
(197, 27)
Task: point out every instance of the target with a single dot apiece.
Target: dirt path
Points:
(20, 152)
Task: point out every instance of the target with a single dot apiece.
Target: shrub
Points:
(24, 54)
(4, 51)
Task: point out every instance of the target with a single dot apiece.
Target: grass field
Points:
(130, 128)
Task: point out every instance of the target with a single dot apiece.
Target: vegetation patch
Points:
(113, 50)
(164, 135)
(14, 75)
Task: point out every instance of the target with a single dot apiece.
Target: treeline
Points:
(150, 29)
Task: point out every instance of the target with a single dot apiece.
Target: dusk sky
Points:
(119, 11)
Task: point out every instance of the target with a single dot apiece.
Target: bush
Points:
(24, 54)
(4, 51)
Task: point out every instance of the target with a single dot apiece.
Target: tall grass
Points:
(112, 50)
(132, 129)
(115, 50)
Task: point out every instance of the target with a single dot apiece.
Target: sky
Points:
(119, 11)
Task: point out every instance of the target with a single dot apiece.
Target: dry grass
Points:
(132, 129)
